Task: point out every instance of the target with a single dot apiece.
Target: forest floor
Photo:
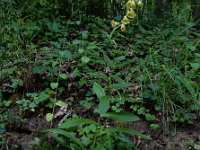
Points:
(55, 72)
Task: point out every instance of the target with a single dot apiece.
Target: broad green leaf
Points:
(49, 117)
(150, 117)
(118, 79)
(66, 134)
(66, 55)
(118, 86)
(63, 76)
(60, 103)
(80, 50)
(76, 42)
(54, 85)
(85, 34)
(154, 86)
(75, 122)
(85, 59)
(104, 105)
(197, 146)
(195, 66)
(98, 90)
(121, 116)
(154, 126)
(119, 58)
(60, 140)
(129, 131)
(99, 75)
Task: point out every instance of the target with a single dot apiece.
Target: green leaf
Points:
(104, 105)
(98, 90)
(118, 86)
(80, 50)
(60, 103)
(195, 66)
(66, 134)
(120, 58)
(49, 117)
(154, 126)
(54, 85)
(121, 116)
(99, 75)
(66, 55)
(150, 117)
(118, 79)
(63, 76)
(76, 42)
(60, 140)
(85, 59)
(129, 131)
(75, 122)
(196, 146)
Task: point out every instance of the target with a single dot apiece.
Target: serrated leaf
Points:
(121, 116)
(49, 117)
(75, 122)
(104, 105)
(54, 85)
(129, 131)
(63, 76)
(98, 90)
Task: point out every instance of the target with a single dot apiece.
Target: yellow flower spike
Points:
(125, 20)
(114, 23)
(129, 4)
(131, 14)
(139, 3)
(123, 28)
(133, 5)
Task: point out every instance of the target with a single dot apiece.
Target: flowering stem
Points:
(110, 36)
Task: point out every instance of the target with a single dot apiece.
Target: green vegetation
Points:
(77, 74)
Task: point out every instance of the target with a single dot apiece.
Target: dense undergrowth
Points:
(70, 67)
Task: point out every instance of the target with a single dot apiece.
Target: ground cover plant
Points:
(100, 75)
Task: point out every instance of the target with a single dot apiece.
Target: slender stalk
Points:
(95, 134)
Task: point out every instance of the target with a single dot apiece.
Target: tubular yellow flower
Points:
(133, 5)
(128, 4)
(125, 20)
(123, 28)
(139, 3)
(114, 23)
(131, 14)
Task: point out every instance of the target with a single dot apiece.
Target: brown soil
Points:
(18, 137)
